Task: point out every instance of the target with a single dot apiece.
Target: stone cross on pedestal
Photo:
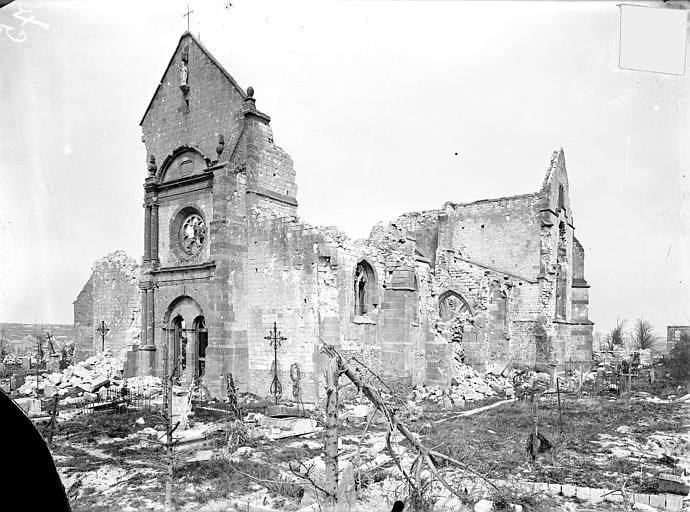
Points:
(275, 338)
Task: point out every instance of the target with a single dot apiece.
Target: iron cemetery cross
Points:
(102, 330)
(275, 338)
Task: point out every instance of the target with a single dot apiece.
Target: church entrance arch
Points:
(187, 339)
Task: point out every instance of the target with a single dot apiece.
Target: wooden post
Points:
(331, 437)
(53, 421)
(535, 431)
(167, 390)
(558, 394)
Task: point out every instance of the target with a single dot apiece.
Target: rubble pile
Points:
(99, 375)
(145, 385)
(467, 384)
(531, 383)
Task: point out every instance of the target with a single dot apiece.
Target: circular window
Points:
(192, 234)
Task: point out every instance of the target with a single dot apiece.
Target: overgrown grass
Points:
(109, 423)
(76, 459)
(223, 478)
(505, 497)
(494, 442)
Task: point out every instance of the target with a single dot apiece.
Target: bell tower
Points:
(212, 172)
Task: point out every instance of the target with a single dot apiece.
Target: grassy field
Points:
(605, 443)
(495, 442)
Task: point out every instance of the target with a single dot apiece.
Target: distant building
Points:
(674, 333)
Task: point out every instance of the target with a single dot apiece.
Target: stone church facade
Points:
(225, 256)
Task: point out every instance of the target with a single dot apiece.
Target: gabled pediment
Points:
(174, 69)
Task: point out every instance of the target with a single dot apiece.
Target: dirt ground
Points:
(605, 443)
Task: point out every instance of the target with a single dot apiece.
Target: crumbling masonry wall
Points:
(83, 322)
(111, 295)
(498, 280)
(281, 287)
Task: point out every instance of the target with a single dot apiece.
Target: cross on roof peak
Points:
(187, 16)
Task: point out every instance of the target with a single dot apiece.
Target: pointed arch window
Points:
(364, 288)
(452, 305)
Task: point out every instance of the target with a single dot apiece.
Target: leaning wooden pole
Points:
(331, 438)
(375, 398)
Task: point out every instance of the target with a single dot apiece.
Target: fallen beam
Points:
(477, 410)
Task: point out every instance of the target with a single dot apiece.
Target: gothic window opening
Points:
(202, 344)
(455, 314)
(561, 198)
(179, 347)
(561, 276)
(451, 305)
(364, 288)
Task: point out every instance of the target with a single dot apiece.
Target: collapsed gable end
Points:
(555, 190)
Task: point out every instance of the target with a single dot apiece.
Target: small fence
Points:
(111, 399)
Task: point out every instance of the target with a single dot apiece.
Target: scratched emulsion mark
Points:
(16, 32)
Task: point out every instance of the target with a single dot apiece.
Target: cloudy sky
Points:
(385, 107)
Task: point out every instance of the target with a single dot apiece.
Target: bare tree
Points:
(643, 334)
(617, 334)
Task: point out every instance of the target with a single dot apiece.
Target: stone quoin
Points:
(225, 256)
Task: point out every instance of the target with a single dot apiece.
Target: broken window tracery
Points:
(455, 316)
(452, 305)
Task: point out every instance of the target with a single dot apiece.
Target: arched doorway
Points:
(187, 340)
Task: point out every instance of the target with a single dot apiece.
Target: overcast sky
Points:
(385, 107)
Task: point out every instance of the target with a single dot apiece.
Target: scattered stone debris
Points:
(85, 382)
(255, 431)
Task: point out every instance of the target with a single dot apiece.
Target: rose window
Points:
(192, 234)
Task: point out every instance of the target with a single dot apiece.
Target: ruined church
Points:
(491, 282)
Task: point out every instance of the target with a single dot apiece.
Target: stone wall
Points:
(111, 295)
(212, 106)
(83, 323)
(502, 233)
(281, 287)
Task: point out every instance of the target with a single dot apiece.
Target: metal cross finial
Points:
(187, 15)
(102, 330)
(274, 337)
